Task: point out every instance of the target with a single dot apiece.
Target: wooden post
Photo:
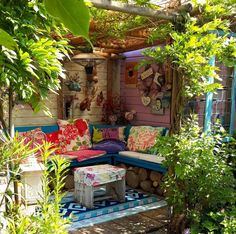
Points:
(209, 101)
(11, 132)
(233, 97)
(109, 78)
(60, 104)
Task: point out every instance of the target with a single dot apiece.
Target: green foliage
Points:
(13, 151)
(30, 60)
(33, 67)
(67, 12)
(193, 42)
(114, 24)
(200, 179)
(162, 32)
(228, 52)
(6, 40)
(190, 52)
(50, 220)
(212, 9)
(17, 220)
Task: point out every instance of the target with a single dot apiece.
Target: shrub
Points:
(200, 178)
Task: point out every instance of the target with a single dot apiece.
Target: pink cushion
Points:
(82, 155)
(35, 137)
(76, 134)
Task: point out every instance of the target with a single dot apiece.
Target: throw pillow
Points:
(35, 136)
(110, 146)
(76, 133)
(100, 134)
(142, 138)
(58, 141)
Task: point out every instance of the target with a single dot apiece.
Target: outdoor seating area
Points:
(117, 117)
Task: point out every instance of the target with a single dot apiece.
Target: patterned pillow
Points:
(142, 138)
(35, 136)
(100, 134)
(75, 134)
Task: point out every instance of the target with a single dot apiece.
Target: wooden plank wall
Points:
(131, 100)
(24, 116)
(95, 113)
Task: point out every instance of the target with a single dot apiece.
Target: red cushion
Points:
(57, 140)
(84, 154)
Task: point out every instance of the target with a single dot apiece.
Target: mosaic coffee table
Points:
(87, 179)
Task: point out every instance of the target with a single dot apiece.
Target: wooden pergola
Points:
(135, 38)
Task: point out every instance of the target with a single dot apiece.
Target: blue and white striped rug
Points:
(106, 210)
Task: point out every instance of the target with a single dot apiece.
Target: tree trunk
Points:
(177, 224)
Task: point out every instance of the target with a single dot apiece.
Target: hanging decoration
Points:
(153, 88)
(131, 74)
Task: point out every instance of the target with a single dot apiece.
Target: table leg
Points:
(88, 196)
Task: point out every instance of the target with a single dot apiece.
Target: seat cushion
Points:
(98, 175)
(82, 155)
(142, 156)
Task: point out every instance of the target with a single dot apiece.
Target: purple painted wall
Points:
(131, 99)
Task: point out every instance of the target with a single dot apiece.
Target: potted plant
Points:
(73, 83)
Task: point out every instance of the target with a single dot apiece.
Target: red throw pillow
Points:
(58, 141)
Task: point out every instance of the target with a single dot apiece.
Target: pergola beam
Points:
(132, 9)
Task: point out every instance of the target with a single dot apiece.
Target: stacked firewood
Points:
(144, 179)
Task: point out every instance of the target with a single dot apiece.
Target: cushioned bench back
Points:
(46, 129)
(53, 128)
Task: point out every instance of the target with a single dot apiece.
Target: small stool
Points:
(88, 178)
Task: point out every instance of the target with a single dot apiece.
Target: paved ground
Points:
(152, 222)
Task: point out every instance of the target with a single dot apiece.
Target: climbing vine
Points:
(193, 42)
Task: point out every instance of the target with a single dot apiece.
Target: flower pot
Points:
(74, 86)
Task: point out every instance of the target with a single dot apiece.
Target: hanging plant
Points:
(73, 82)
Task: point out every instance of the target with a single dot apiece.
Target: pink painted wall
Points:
(131, 99)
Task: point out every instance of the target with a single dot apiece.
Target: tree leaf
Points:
(74, 14)
(6, 40)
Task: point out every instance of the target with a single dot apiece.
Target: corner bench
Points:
(136, 159)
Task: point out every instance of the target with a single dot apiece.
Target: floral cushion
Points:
(142, 138)
(100, 134)
(35, 136)
(75, 134)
